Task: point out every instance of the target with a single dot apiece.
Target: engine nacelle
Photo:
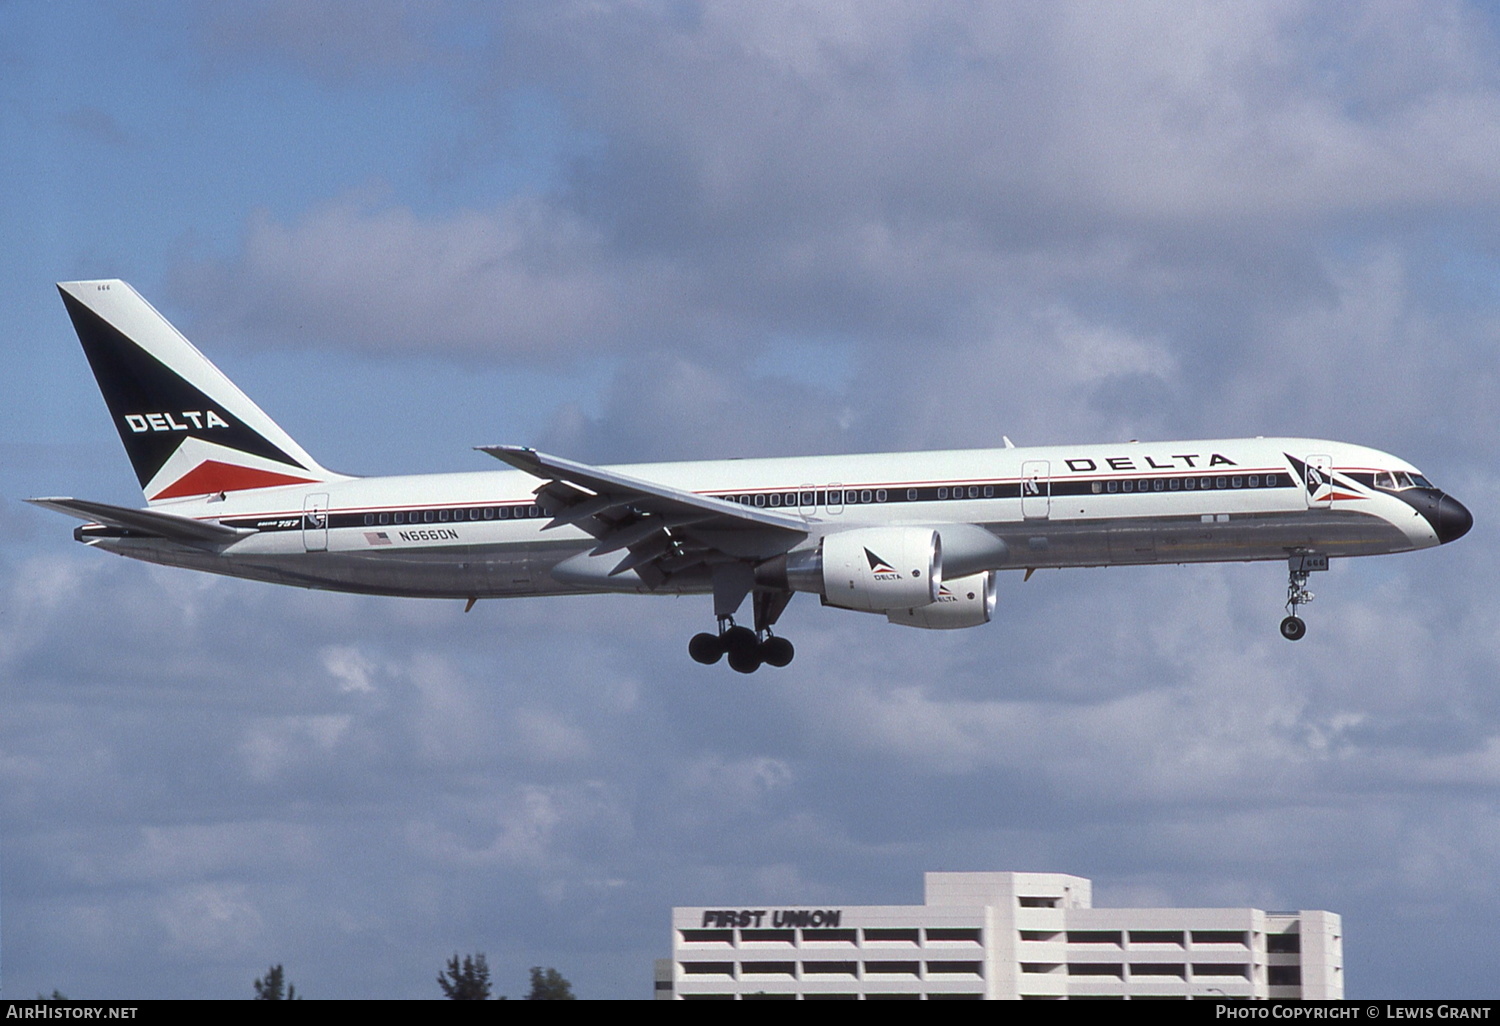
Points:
(870, 569)
(965, 602)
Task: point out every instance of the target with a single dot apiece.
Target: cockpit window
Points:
(1395, 481)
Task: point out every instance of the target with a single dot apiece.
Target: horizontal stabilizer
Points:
(147, 521)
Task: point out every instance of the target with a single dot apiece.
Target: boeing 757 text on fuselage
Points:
(919, 537)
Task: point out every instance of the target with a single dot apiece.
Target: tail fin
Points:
(186, 427)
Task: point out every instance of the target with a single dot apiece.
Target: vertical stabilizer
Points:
(188, 430)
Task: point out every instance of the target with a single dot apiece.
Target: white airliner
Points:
(919, 537)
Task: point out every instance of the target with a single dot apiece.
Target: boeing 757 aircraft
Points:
(919, 537)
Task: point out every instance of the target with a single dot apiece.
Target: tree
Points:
(468, 980)
(549, 985)
(274, 988)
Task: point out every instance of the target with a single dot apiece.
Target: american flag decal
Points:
(377, 538)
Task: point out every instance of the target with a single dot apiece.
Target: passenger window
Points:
(880, 495)
(989, 491)
(865, 496)
(1127, 485)
(911, 495)
(1174, 485)
(1096, 486)
(1158, 485)
(942, 493)
(1112, 486)
(1254, 481)
(369, 519)
(1238, 481)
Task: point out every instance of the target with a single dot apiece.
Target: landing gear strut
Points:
(1299, 567)
(746, 649)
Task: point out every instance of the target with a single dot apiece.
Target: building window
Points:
(1220, 937)
(1201, 969)
(708, 936)
(1176, 969)
(1114, 969)
(910, 936)
(952, 935)
(1284, 975)
(708, 969)
(1283, 944)
(817, 936)
(1156, 937)
(1094, 937)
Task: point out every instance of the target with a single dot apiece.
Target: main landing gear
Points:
(1299, 567)
(746, 649)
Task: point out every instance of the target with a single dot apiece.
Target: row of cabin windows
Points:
(848, 497)
(1187, 484)
(443, 516)
(860, 496)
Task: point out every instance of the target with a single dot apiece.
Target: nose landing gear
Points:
(746, 649)
(1299, 567)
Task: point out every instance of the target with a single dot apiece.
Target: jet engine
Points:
(964, 602)
(870, 569)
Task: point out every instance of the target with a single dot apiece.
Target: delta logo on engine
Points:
(882, 570)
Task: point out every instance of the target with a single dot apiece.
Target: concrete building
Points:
(996, 936)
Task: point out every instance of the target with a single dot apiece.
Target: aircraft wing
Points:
(200, 533)
(666, 529)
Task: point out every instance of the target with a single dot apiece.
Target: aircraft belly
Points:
(436, 571)
(1145, 540)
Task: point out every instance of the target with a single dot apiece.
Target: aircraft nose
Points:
(1452, 520)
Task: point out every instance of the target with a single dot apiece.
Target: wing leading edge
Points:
(665, 530)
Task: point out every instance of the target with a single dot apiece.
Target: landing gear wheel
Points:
(706, 648)
(744, 662)
(777, 651)
(743, 648)
(1292, 628)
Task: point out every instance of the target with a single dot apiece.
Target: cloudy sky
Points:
(638, 231)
